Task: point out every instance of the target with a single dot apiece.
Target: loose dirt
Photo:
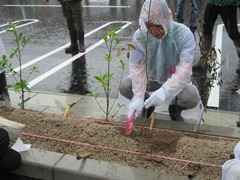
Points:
(159, 150)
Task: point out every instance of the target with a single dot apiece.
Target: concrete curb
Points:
(49, 165)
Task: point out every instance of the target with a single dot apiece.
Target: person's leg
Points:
(77, 10)
(229, 17)
(180, 14)
(210, 16)
(193, 16)
(67, 13)
(187, 99)
(126, 87)
(4, 95)
(9, 158)
(4, 142)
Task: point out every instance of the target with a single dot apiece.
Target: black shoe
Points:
(175, 112)
(238, 123)
(149, 111)
(72, 49)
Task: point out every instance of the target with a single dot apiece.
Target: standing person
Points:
(72, 11)
(193, 13)
(4, 95)
(227, 9)
(165, 50)
(10, 159)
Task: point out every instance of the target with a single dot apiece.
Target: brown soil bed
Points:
(109, 143)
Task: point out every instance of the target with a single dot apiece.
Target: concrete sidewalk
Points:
(85, 106)
(56, 166)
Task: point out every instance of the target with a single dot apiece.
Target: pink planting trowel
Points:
(129, 124)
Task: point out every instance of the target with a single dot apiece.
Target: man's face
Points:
(156, 30)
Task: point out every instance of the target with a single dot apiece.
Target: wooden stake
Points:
(66, 110)
(152, 120)
(84, 155)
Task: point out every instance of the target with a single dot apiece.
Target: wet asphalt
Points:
(46, 27)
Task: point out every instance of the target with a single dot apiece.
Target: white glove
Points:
(156, 99)
(136, 104)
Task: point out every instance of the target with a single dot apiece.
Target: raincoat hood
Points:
(155, 12)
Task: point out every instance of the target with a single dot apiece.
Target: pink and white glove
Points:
(136, 104)
(156, 99)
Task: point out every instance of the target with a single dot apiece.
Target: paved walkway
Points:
(85, 106)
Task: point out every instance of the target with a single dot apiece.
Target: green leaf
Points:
(108, 57)
(89, 94)
(117, 41)
(11, 55)
(122, 64)
(98, 78)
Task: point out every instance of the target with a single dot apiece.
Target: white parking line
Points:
(49, 5)
(213, 100)
(64, 46)
(23, 20)
(62, 65)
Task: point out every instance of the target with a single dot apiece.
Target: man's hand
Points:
(136, 104)
(156, 99)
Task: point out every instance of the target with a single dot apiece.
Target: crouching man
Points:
(163, 54)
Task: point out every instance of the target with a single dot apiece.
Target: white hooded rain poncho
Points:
(231, 168)
(168, 60)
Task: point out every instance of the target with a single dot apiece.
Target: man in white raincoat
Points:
(231, 168)
(165, 50)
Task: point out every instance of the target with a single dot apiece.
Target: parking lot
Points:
(62, 73)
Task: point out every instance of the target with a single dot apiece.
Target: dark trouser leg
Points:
(77, 9)
(229, 17)
(180, 10)
(9, 158)
(193, 17)
(68, 14)
(237, 45)
(4, 95)
(210, 16)
(4, 142)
